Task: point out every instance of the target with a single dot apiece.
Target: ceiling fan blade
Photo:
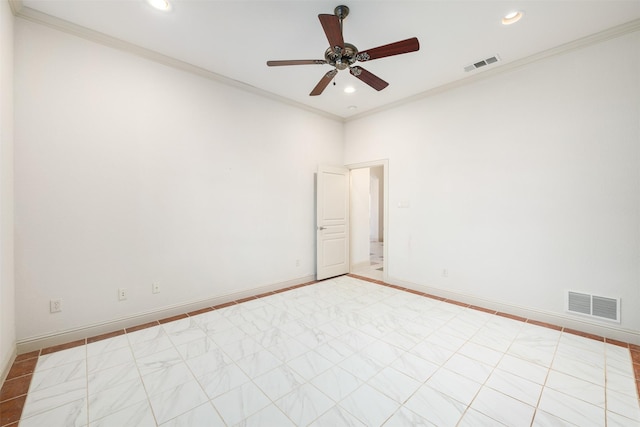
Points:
(369, 78)
(397, 48)
(297, 62)
(323, 83)
(331, 27)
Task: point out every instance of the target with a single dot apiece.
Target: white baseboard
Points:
(583, 325)
(7, 367)
(43, 341)
(606, 330)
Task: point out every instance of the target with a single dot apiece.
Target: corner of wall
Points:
(7, 284)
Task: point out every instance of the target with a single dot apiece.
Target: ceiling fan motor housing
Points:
(341, 59)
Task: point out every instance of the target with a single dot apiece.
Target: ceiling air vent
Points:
(593, 306)
(482, 63)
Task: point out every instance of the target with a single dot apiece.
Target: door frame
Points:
(385, 203)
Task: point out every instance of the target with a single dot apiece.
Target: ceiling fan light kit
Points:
(341, 55)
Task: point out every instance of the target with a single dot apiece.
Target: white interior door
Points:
(332, 228)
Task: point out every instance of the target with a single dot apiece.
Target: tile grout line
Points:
(546, 378)
(633, 349)
(484, 384)
(173, 345)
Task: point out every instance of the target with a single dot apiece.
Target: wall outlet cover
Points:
(55, 305)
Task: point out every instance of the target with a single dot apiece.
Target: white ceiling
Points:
(234, 39)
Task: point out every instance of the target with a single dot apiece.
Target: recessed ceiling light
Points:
(160, 4)
(352, 107)
(512, 17)
(349, 89)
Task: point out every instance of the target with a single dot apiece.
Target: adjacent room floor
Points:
(376, 262)
(342, 352)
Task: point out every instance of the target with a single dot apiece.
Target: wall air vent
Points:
(482, 63)
(593, 306)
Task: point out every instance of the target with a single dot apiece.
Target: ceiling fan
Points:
(341, 55)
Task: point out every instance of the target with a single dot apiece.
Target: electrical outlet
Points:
(55, 306)
(445, 273)
(297, 263)
(122, 294)
(155, 288)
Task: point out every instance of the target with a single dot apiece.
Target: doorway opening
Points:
(368, 218)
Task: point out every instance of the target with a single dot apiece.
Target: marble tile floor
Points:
(342, 352)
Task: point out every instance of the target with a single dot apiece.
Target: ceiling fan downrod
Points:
(341, 12)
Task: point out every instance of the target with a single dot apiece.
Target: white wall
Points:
(7, 290)
(376, 191)
(359, 213)
(522, 185)
(129, 172)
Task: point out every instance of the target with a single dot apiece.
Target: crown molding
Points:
(33, 15)
(608, 34)
(16, 6)
(38, 17)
